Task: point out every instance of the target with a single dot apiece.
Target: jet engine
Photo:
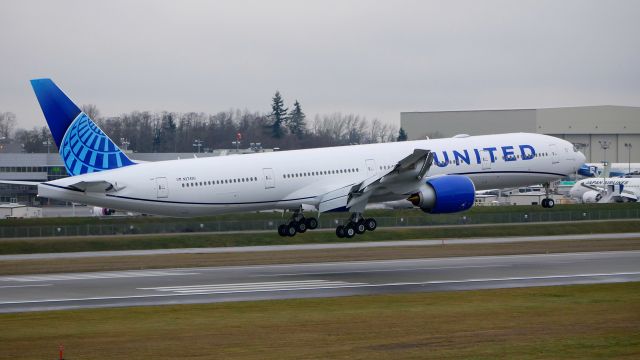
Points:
(445, 194)
(591, 196)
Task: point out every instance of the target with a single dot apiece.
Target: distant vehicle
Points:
(617, 169)
(606, 190)
(438, 176)
(100, 211)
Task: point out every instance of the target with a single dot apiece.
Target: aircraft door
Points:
(269, 178)
(371, 167)
(162, 187)
(486, 160)
(555, 155)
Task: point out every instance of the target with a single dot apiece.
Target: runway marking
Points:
(96, 275)
(346, 272)
(21, 286)
(254, 287)
(346, 285)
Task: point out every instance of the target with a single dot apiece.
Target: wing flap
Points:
(355, 197)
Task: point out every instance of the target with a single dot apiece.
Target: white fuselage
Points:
(602, 186)
(290, 179)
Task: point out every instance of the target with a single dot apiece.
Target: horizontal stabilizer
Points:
(20, 182)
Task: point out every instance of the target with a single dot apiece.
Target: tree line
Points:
(144, 131)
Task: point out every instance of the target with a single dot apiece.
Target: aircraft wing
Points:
(356, 196)
(20, 182)
(96, 186)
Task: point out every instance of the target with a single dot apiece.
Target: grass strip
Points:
(144, 242)
(569, 322)
(16, 267)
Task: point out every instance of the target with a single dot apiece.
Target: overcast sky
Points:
(374, 58)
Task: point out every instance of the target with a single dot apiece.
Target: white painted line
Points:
(21, 286)
(85, 276)
(346, 272)
(233, 284)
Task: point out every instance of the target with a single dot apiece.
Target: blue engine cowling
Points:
(445, 194)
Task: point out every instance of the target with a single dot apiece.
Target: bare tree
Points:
(7, 123)
(91, 110)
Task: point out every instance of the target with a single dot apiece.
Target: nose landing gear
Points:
(547, 202)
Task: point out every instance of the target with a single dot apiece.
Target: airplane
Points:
(606, 190)
(617, 169)
(438, 176)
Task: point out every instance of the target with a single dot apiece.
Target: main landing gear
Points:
(297, 224)
(357, 225)
(547, 202)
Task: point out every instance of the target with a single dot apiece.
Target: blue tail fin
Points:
(83, 146)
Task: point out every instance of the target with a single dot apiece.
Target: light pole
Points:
(628, 146)
(48, 143)
(604, 145)
(124, 143)
(198, 143)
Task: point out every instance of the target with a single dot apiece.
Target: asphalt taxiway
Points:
(327, 246)
(261, 282)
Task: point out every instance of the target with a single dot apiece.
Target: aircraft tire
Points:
(292, 229)
(360, 227)
(349, 231)
(282, 230)
(550, 203)
(544, 203)
(312, 223)
(301, 226)
(371, 224)
(340, 231)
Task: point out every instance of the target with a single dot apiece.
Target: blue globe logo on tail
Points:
(83, 146)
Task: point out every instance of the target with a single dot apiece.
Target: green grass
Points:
(141, 242)
(570, 322)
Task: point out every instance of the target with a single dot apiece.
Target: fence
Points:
(185, 226)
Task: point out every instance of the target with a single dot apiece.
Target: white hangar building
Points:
(589, 127)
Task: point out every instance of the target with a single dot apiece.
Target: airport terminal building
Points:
(592, 128)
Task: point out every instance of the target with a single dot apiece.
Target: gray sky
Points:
(374, 58)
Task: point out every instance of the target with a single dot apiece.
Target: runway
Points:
(262, 282)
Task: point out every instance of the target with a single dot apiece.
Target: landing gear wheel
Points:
(360, 227)
(371, 224)
(312, 223)
(349, 231)
(550, 203)
(292, 229)
(301, 226)
(282, 230)
(340, 231)
(544, 203)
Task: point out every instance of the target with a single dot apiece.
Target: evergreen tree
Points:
(278, 116)
(402, 135)
(296, 121)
